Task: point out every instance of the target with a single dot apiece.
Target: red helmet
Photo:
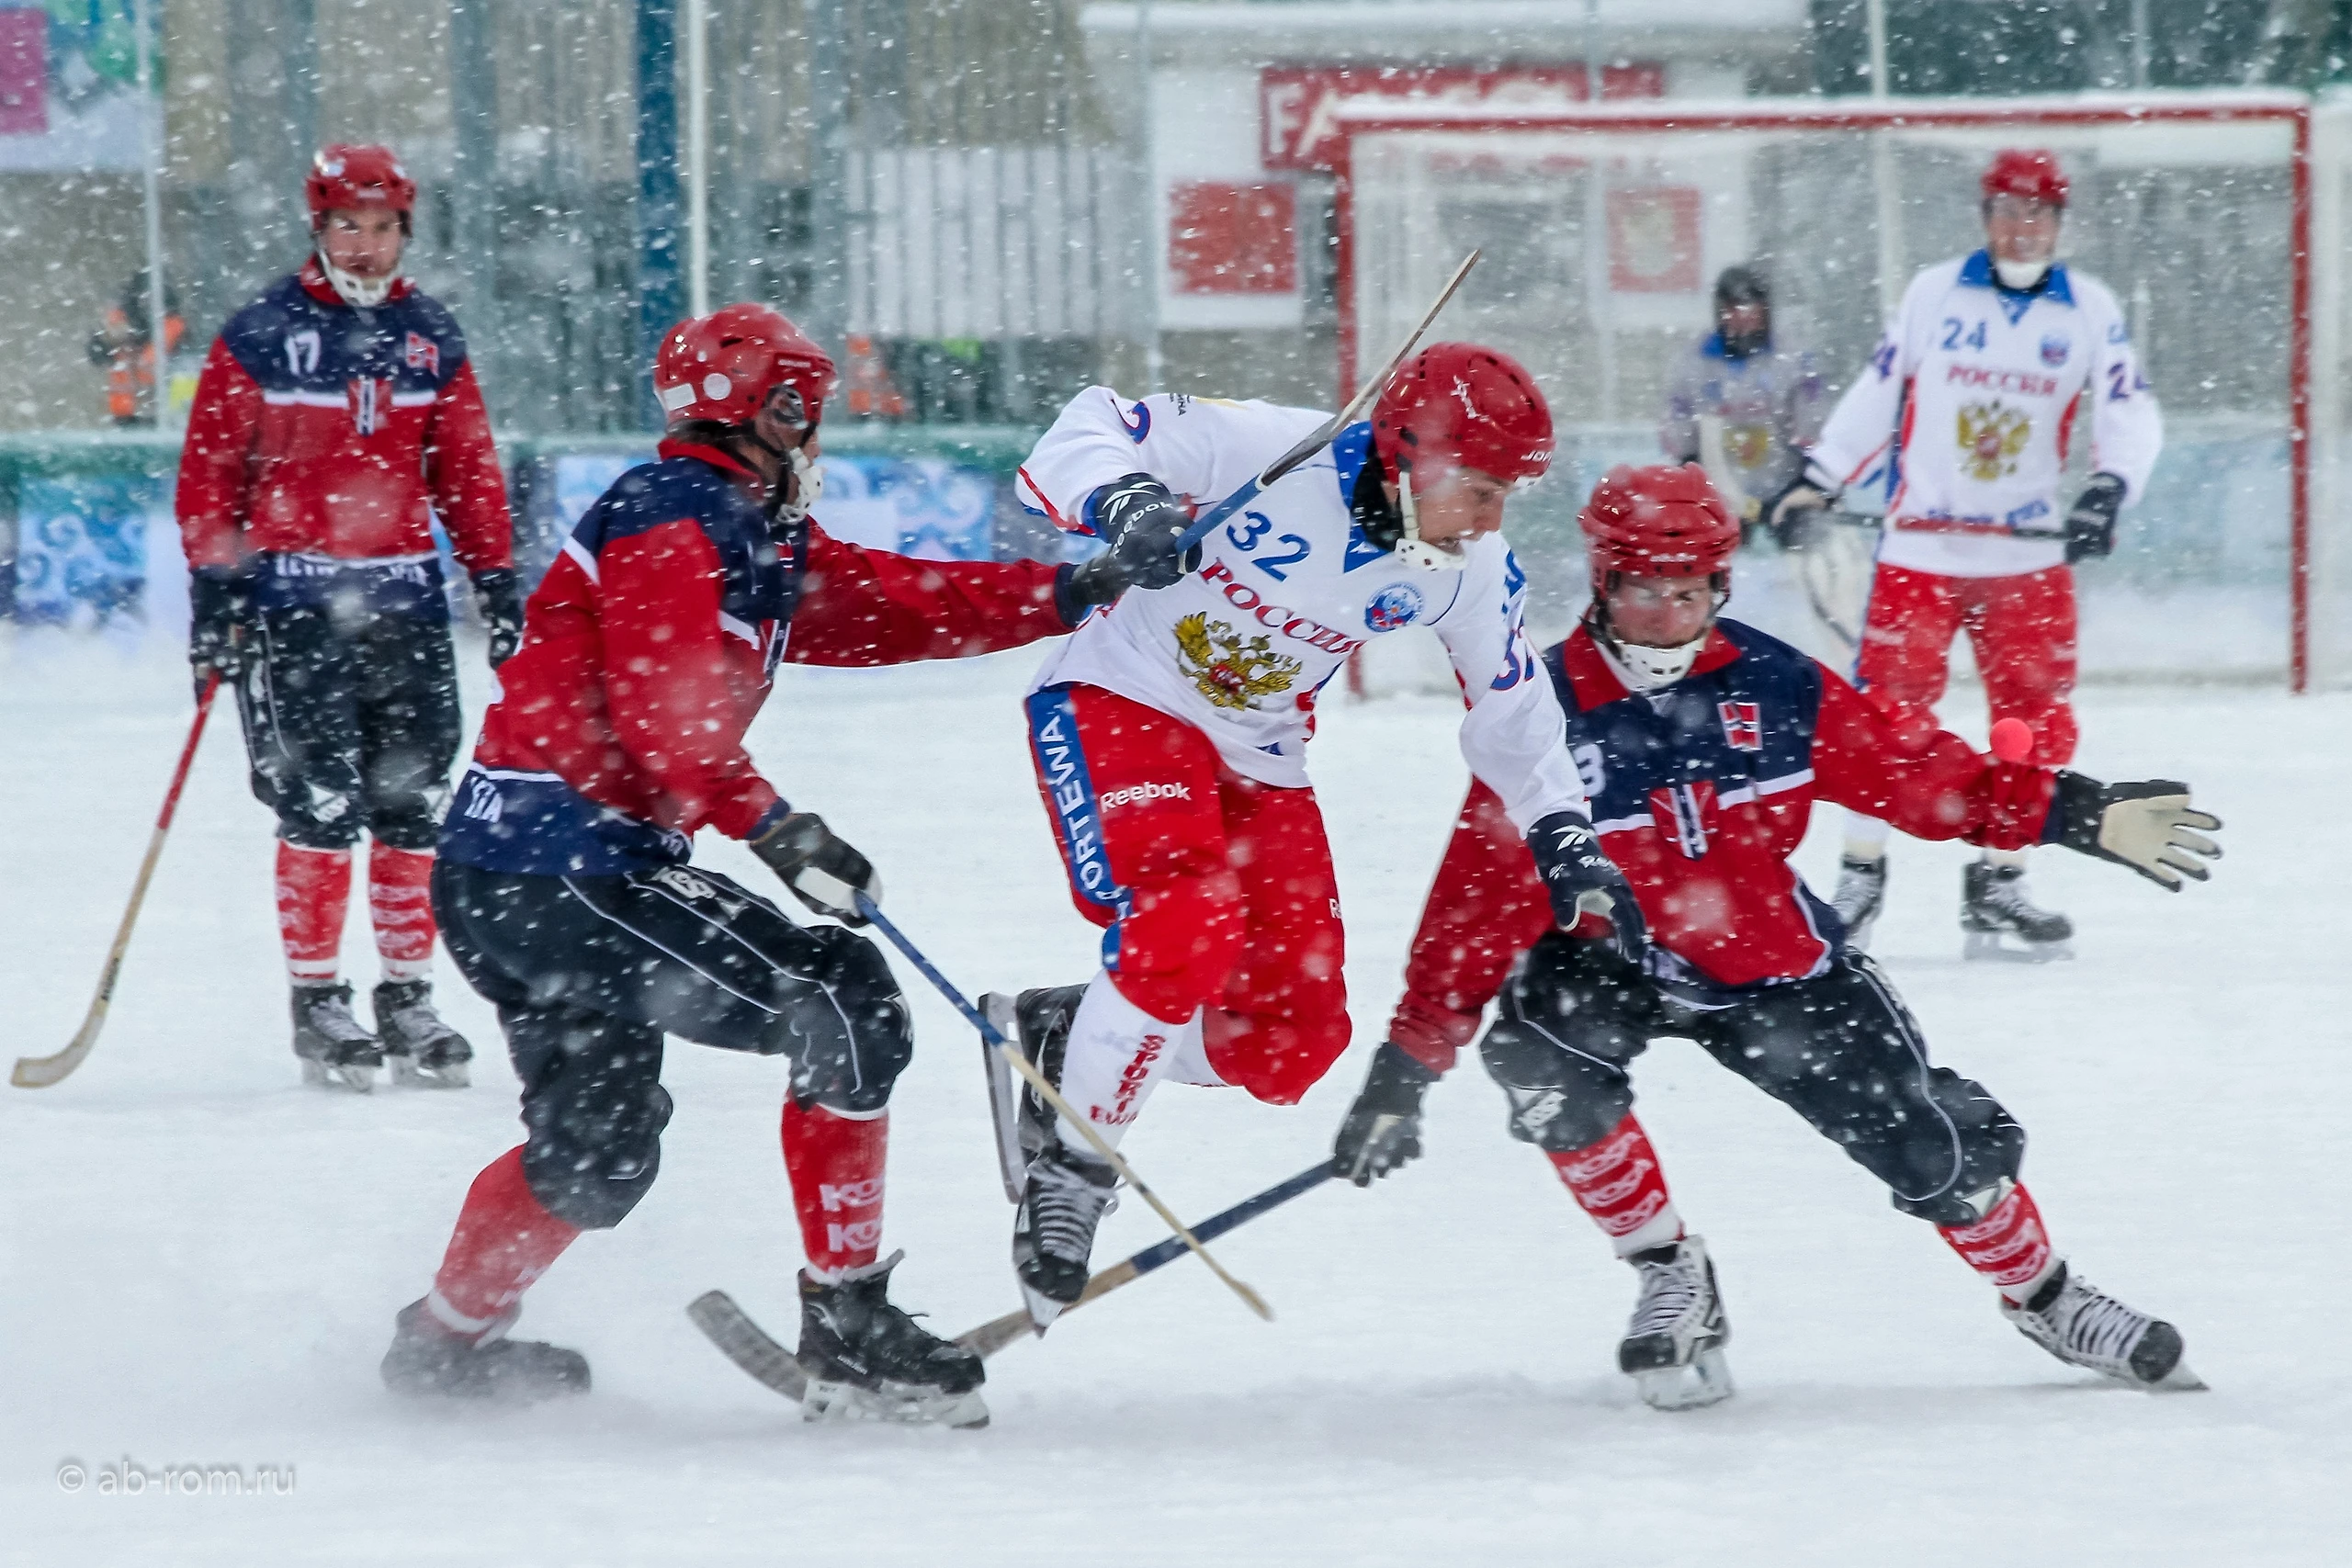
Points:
(1658, 522)
(353, 178)
(2029, 172)
(722, 367)
(1458, 404)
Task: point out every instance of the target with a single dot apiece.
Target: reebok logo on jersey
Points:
(850, 1194)
(1131, 1082)
(1143, 794)
(1993, 379)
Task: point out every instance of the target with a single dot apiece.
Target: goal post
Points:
(2218, 219)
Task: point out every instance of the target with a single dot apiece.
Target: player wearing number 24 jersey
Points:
(1170, 738)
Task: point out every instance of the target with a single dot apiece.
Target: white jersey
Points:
(1287, 591)
(1992, 388)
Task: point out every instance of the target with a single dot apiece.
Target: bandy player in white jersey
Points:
(1995, 366)
(1170, 736)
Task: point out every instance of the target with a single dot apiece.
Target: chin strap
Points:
(360, 293)
(1412, 548)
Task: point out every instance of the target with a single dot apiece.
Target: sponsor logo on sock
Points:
(859, 1237)
(1633, 1219)
(1131, 1082)
(850, 1194)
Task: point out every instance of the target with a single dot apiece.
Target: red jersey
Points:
(650, 645)
(324, 430)
(1701, 793)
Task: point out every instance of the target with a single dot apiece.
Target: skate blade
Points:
(351, 1080)
(907, 1404)
(1987, 945)
(1043, 1310)
(2181, 1380)
(1005, 1096)
(1705, 1381)
(407, 1074)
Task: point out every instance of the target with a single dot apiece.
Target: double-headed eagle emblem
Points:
(1230, 671)
(1990, 436)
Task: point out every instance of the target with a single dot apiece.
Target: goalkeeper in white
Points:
(1995, 365)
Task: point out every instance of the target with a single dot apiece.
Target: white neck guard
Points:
(1412, 548)
(1645, 669)
(2020, 275)
(360, 293)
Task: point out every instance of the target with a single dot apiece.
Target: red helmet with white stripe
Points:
(2030, 173)
(723, 365)
(1456, 404)
(346, 178)
(1658, 522)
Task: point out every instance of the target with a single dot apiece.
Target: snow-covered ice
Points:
(202, 1258)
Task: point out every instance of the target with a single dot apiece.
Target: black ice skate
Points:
(1674, 1346)
(1038, 1023)
(1995, 905)
(865, 1360)
(2071, 1320)
(335, 1052)
(1862, 894)
(1063, 1201)
(424, 1052)
(428, 1360)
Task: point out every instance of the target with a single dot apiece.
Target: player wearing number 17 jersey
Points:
(1995, 366)
(1170, 738)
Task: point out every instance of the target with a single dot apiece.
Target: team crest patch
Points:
(2054, 349)
(1230, 671)
(1743, 725)
(1393, 607)
(1990, 436)
(422, 353)
(1748, 446)
(1685, 816)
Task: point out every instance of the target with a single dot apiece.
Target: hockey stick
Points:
(752, 1348)
(998, 1042)
(1324, 436)
(40, 1072)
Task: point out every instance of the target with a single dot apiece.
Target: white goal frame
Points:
(2309, 270)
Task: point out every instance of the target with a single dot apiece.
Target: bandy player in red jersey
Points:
(1994, 366)
(1169, 736)
(1705, 744)
(565, 897)
(337, 416)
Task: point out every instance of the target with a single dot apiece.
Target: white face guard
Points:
(2020, 276)
(360, 293)
(808, 486)
(1651, 668)
(1412, 548)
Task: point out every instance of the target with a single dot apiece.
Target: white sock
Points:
(1190, 1064)
(1116, 1052)
(1865, 837)
(2005, 857)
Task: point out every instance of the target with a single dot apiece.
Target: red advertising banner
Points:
(1232, 239)
(1654, 240)
(1295, 103)
(23, 71)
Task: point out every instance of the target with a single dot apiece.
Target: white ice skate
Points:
(2002, 921)
(1674, 1346)
(2074, 1321)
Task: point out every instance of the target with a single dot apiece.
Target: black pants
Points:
(1839, 1050)
(589, 972)
(351, 724)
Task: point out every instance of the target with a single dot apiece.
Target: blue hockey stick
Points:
(1330, 430)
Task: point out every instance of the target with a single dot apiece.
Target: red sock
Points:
(2010, 1245)
(504, 1242)
(313, 889)
(836, 1164)
(399, 902)
(1618, 1182)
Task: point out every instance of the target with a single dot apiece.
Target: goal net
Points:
(2216, 219)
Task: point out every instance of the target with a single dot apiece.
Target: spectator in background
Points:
(124, 349)
(1739, 404)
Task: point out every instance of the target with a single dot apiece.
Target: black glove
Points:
(2090, 527)
(1795, 513)
(1141, 522)
(219, 601)
(822, 871)
(1584, 881)
(1383, 1132)
(2147, 826)
(500, 598)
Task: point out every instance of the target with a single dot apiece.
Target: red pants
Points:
(1215, 891)
(2022, 629)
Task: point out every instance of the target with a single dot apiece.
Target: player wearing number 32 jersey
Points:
(1170, 738)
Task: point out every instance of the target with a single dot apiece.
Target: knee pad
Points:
(849, 1044)
(1562, 1098)
(1992, 1146)
(590, 1157)
(310, 818)
(410, 821)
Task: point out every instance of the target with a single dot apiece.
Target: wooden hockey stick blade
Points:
(1126, 1173)
(40, 1072)
(1329, 431)
(747, 1344)
(997, 1332)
